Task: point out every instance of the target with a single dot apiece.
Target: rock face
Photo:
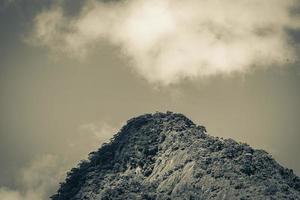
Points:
(166, 156)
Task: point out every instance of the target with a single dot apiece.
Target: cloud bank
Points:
(171, 40)
(40, 178)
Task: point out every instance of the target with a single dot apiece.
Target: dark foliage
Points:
(166, 156)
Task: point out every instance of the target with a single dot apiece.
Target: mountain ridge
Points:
(167, 156)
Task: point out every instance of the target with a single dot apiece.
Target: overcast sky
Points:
(72, 73)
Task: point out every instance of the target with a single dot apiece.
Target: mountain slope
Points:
(167, 156)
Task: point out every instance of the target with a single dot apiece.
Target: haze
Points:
(73, 72)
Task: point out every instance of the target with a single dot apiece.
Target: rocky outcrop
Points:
(166, 156)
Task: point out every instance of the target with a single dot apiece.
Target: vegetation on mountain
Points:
(166, 156)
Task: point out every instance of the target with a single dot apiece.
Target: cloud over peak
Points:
(170, 40)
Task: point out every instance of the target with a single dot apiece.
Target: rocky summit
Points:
(166, 156)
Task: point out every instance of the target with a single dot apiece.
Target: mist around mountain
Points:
(166, 156)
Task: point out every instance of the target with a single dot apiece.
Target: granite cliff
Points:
(166, 156)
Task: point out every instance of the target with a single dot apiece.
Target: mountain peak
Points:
(167, 156)
(166, 121)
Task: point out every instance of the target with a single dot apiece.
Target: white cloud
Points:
(102, 131)
(40, 179)
(170, 40)
(8, 194)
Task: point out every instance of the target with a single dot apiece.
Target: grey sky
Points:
(55, 104)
